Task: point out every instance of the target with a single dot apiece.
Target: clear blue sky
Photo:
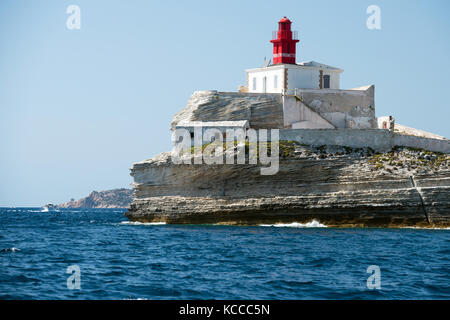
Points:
(78, 107)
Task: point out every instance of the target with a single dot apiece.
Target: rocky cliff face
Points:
(337, 186)
(262, 110)
(116, 198)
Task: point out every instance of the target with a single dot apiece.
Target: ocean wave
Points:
(137, 223)
(425, 228)
(13, 249)
(312, 224)
(277, 254)
(46, 210)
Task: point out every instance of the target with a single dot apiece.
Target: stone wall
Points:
(437, 145)
(415, 132)
(299, 116)
(377, 139)
(380, 140)
(343, 108)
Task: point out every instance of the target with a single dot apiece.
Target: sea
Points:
(99, 254)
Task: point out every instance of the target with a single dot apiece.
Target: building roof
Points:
(307, 64)
(284, 19)
(214, 124)
(317, 65)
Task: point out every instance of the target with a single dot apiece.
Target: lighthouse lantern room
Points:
(284, 43)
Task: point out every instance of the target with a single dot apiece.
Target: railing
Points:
(275, 35)
(292, 92)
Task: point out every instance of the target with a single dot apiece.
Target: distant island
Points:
(115, 198)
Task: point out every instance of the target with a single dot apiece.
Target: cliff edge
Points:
(339, 186)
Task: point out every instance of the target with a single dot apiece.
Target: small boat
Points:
(49, 207)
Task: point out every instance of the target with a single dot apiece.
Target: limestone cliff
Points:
(116, 198)
(336, 185)
(262, 110)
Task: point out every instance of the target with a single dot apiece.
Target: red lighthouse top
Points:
(284, 43)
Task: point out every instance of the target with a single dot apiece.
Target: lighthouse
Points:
(285, 75)
(284, 43)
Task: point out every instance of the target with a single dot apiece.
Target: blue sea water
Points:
(121, 260)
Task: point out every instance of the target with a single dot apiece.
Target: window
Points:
(326, 81)
(254, 83)
(275, 81)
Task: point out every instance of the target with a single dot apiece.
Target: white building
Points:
(280, 78)
(212, 130)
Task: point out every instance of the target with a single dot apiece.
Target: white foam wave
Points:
(46, 210)
(312, 224)
(13, 249)
(137, 223)
(425, 228)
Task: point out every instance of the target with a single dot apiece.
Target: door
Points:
(326, 81)
(264, 84)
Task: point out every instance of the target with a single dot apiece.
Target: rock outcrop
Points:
(116, 198)
(261, 110)
(335, 185)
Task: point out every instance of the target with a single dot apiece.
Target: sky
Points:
(79, 107)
